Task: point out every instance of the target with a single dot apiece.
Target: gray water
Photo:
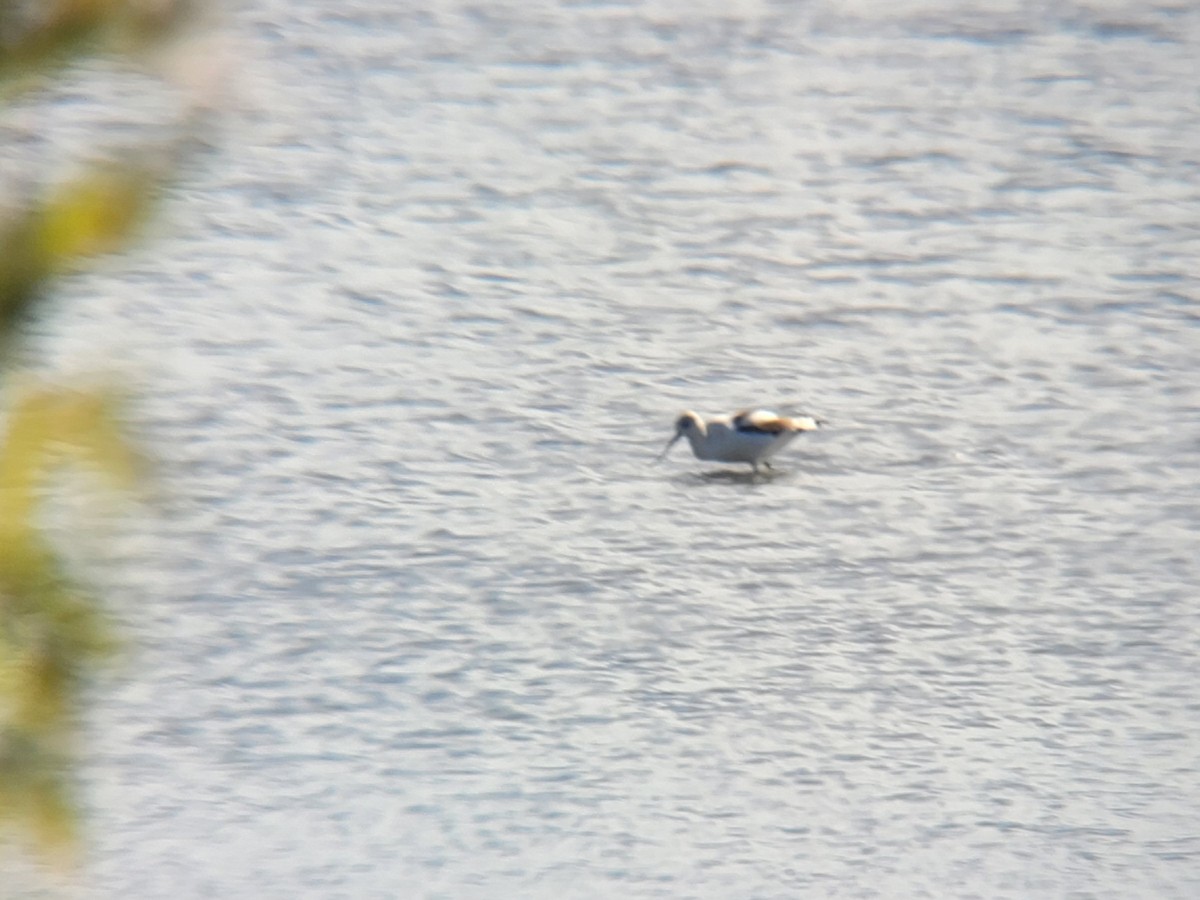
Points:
(421, 616)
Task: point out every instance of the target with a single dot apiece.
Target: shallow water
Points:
(424, 619)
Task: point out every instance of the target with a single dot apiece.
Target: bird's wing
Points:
(759, 421)
(763, 421)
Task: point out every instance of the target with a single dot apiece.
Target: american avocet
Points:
(751, 436)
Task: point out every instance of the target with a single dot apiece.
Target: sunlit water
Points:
(423, 618)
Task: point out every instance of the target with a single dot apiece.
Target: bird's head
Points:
(688, 423)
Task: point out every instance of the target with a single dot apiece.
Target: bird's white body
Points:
(750, 436)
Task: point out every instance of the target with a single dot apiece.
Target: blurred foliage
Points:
(50, 631)
(39, 36)
(92, 214)
(52, 635)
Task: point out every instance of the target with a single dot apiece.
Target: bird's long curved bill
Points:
(670, 444)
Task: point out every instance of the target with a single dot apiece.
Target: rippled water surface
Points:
(424, 618)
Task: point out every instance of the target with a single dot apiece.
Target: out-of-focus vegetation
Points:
(52, 634)
(93, 213)
(39, 36)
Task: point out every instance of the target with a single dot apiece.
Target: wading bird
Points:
(751, 436)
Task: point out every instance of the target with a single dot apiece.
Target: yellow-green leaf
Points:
(91, 215)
